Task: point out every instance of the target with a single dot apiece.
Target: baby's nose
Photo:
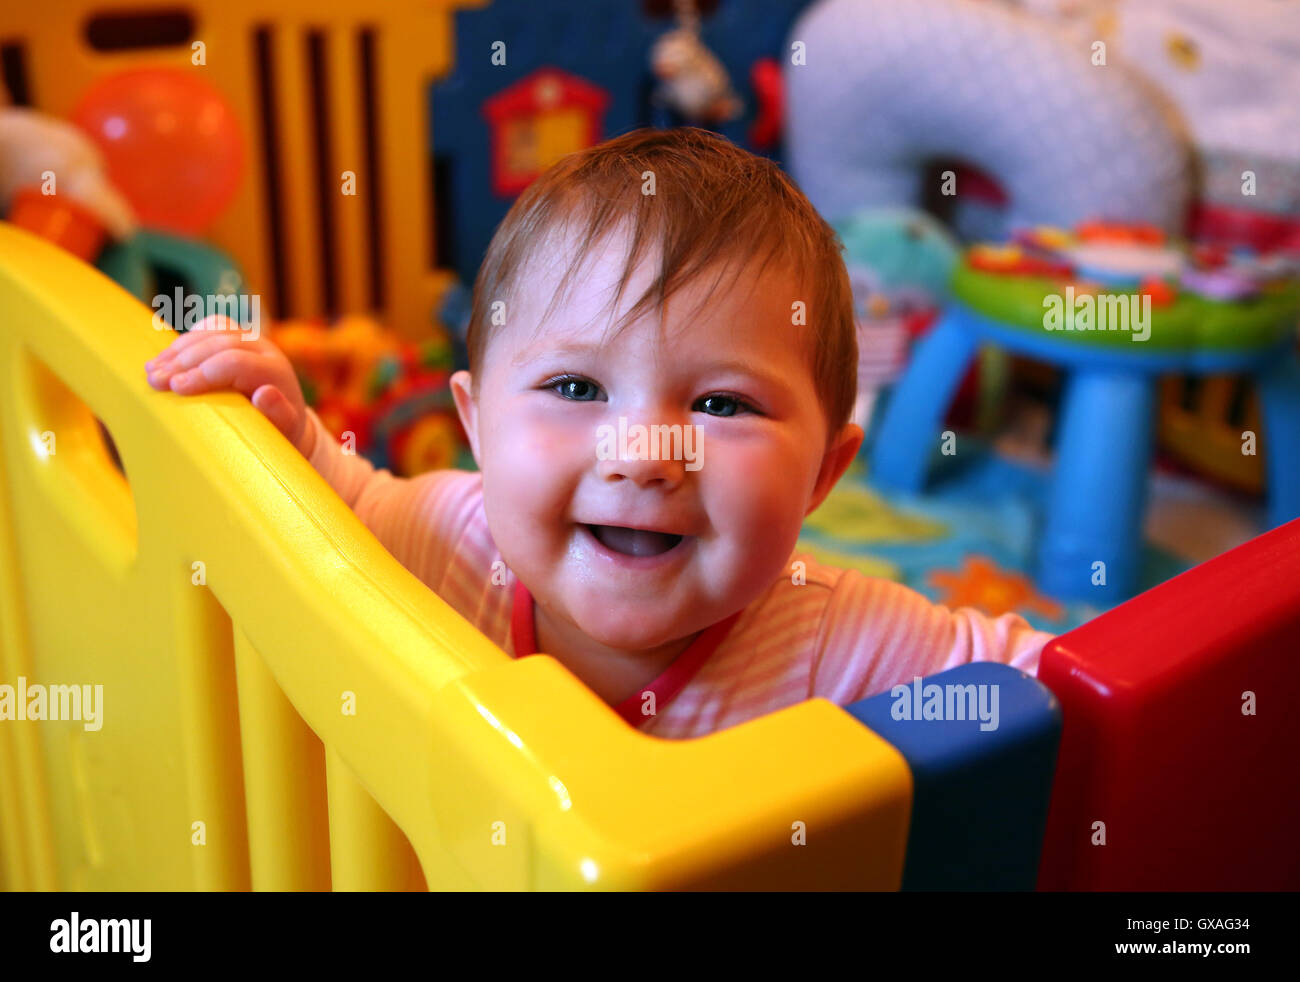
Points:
(648, 454)
(646, 473)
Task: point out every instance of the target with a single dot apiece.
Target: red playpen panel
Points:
(1182, 732)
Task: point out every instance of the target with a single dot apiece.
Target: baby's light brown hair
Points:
(713, 204)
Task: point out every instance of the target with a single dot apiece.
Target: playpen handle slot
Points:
(71, 456)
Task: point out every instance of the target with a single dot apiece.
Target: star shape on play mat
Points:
(982, 584)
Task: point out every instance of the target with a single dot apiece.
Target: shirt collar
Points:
(523, 633)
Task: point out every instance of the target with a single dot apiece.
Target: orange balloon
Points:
(171, 141)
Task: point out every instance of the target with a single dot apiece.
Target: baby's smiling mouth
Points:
(633, 542)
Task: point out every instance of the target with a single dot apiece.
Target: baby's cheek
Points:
(531, 472)
(757, 503)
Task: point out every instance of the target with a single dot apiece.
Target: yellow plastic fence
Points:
(235, 613)
(298, 61)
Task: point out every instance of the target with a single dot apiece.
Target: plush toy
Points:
(899, 259)
(692, 81)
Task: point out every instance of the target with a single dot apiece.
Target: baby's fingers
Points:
(178, 359)
(275, 406)
(234, 368)
(209, 327)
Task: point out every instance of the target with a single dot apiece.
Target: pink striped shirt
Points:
(817, 631)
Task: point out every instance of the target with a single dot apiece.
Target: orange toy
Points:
(340, 360)
(390, 394)
(1012, 260)
(60, 220)
(171, 141)
(1160, 292)
(1120, 233)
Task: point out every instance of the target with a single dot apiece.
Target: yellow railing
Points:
(285, 707)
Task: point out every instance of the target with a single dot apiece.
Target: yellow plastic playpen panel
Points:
(233, 609)
(258, 54)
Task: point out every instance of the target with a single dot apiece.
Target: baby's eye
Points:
(573, 387)
(722, 405)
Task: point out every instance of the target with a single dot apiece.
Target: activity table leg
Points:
(1279, 397)
(1098, 494)
(901, 454)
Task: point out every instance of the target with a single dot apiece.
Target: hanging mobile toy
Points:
(691, 79)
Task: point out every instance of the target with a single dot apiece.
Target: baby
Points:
(662, 365)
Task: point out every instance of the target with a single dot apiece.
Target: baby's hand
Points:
(218, 355)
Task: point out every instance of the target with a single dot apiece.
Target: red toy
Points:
(765, 76)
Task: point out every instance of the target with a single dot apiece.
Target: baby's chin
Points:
(637, 630)
(632, 621)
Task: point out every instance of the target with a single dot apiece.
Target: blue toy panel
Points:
(982, 783)
(607, 43)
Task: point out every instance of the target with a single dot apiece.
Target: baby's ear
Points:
(462, 387)
(838, 457)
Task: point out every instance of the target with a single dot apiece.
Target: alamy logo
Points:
(946, 702)
(189, 310)
(52, 702)
(1103, 312)
(661, 442)
(104, 935)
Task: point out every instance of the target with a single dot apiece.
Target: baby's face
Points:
(632, 547)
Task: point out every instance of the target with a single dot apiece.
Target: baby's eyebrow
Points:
(736, 365)
(563, 350)
(745, 368)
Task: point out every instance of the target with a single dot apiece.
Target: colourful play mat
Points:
(971, 538)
